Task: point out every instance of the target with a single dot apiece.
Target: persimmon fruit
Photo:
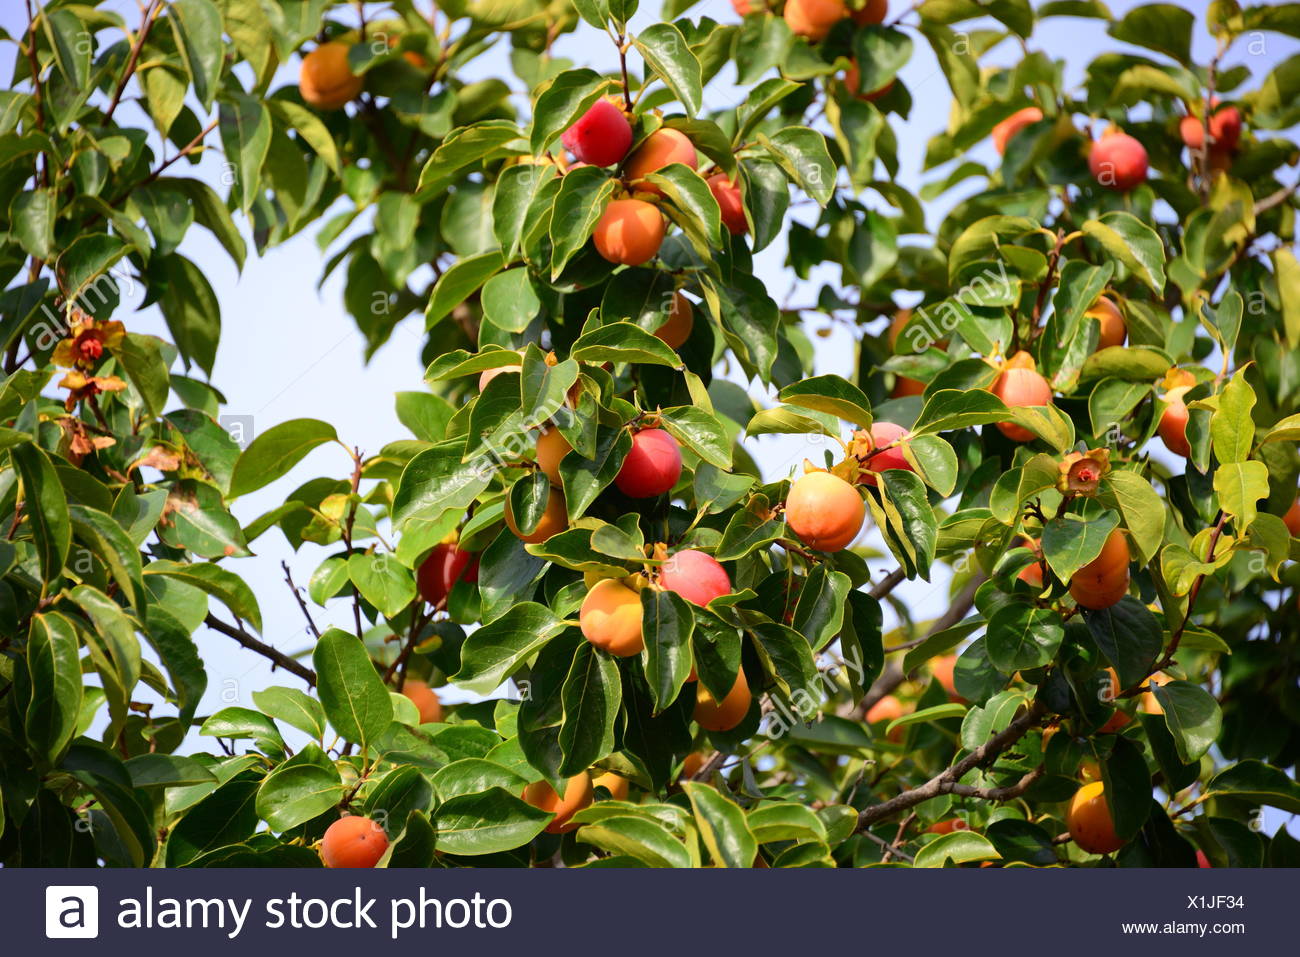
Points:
(1089, 820)
(1019, 385)
(652, 466)
(551, 448)
(554, 519)
(601, 136)
(1118, 161)
(695, 575)
(610, 618)
(1012, 125)
(425, 700)
(578, 794)
(1104, 580)
(825, 511)
(732, 207)
(813, 19)
(629, 232)
(661, 148)
(676, 329)
(714, 715)
(615, 784)
(353, 841)
(325, 80)
(882, 436)
(1113, 328)
(446, 565)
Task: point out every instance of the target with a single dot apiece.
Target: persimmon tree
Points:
(1076, 406)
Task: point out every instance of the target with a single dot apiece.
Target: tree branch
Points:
(946, 782)
(146, 25)
(278, 658)
(288, 577)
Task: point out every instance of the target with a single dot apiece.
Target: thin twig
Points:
(288, 577)
(131, 60)
(278, 658)
(946, 782)
(890, 849)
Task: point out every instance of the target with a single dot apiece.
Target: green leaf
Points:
(1141, 506)
(70, 39)
(493, 652)
(831, 394)
(191, 309)
(81, 266)
(1232, 430)
(294, 707)
(459, 282)
(562, 103)
(1162, 27)
(1258, 783)
(959, 847)
(1130, 637)
(237, 722)
(355, 699)
(880, 53)
(54, 667)
(581, 201)
(146, 369)
(1192, 716)
(273, 453)
(938, 712)
(623, 342)
(466, 147)
(487, 822)
(437, 480)
(1133, 243)
(32, 215)
(638, 837)
(293, 794)
(667, 623)
(382, 581)
(1240, 487)
(819, 613)
(45, 508)
(723, 826)
(801, 153)
(1070, 543)
(700, 431)
(783, 821)
(221, 583)
(246, 138)
(1021, 637)
(591, 697)
(666, 51)
(197, 25)
(167, 770)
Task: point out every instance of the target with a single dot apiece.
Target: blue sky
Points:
(290, 350)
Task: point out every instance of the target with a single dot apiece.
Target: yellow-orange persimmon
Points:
(1090, 822)
(610, 618)
(554, 519)
(1104, 580)
(1111, 320)
(714, 715)
(1150, 704)
(814, 18)
(425, 700)
(825, 511)
(615, 784)
(1173, 420)
(661, 148)
(551, 447)
(325, 79)
(677, 327)
(1019, 384)
(578, 794)
(629, 232)
(1012, 125)
(353, 841)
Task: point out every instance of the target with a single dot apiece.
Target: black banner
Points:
(647, 912)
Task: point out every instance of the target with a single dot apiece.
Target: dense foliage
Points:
(1086, 416)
